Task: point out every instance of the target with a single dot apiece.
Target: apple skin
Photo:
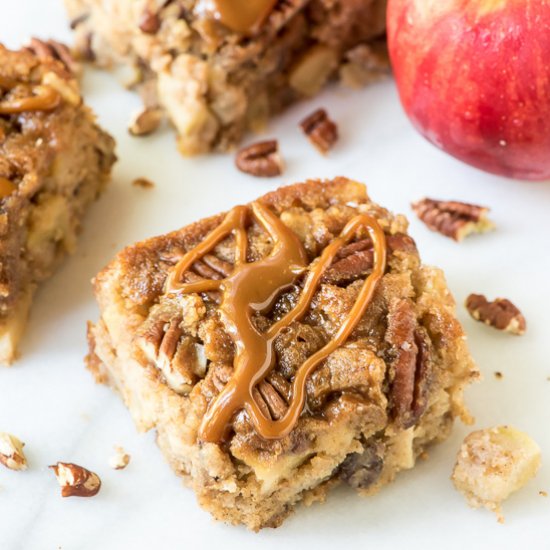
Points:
(474, 78)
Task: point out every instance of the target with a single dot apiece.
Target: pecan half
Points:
(179, 358)
(356, 259)
(76, 481)
(11, 452)
(411, 367)
(145, 121)
(500, 314)
(149, 22)
(260, 159)
(56, 50)
(453, 219)
(321, 131)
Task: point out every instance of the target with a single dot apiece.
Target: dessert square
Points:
(219, 68)
(284, 347)
(54, 160)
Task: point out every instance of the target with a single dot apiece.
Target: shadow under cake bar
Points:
(217, 68)
(54, 160)
(283, 347)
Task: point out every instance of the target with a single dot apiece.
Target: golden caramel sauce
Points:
(41, 98)
(243, 15)
(254, 287)
(7, 187)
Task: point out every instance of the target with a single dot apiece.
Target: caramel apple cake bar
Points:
(54, 160)
(281, 348)
(219, 67)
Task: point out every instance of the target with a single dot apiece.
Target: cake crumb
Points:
(494, 463)
(144, 183)
(543, 493)
(499, 375)
(120, 459)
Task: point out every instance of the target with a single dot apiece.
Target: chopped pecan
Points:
(11, 452)
(149, 22)
(362, 470)
(321, 131)
(120, 459)
(221, 266)
(500, 314)
(356, 259)
(145, 121)
(76, 481)
(179, 358)
(260, 159)
(411, 366)
(275, 403)
(423, 373)
(453, 219)
(44, 49)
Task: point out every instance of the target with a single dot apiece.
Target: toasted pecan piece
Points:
(76, 481)
(11, 452)
(260, 159)
(321, 131)
(453, 219)
(500, 313)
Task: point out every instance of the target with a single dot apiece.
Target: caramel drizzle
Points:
(42, 98)
(254, 287)
(243, 15)
(7, 187)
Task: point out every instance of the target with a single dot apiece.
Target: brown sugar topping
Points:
(253, 287)
(40, 98)
(243, 15)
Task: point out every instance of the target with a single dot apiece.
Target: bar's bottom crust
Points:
(230, 489)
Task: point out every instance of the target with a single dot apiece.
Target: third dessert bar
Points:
(283, 347)
(54, 160)
(220, 67)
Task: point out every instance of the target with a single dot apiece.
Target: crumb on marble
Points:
(144, 183)
(499, 375)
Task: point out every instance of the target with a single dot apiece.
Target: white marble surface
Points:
(51, 402)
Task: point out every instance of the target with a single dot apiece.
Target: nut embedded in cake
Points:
(282, 348)
(54, 160)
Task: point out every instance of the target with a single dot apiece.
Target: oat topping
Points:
(321, 131)
(260, 159)
(11, 452)
(500, 313)
(453, 219)
(76, 481)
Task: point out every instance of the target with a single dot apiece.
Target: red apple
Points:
(474, 78)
